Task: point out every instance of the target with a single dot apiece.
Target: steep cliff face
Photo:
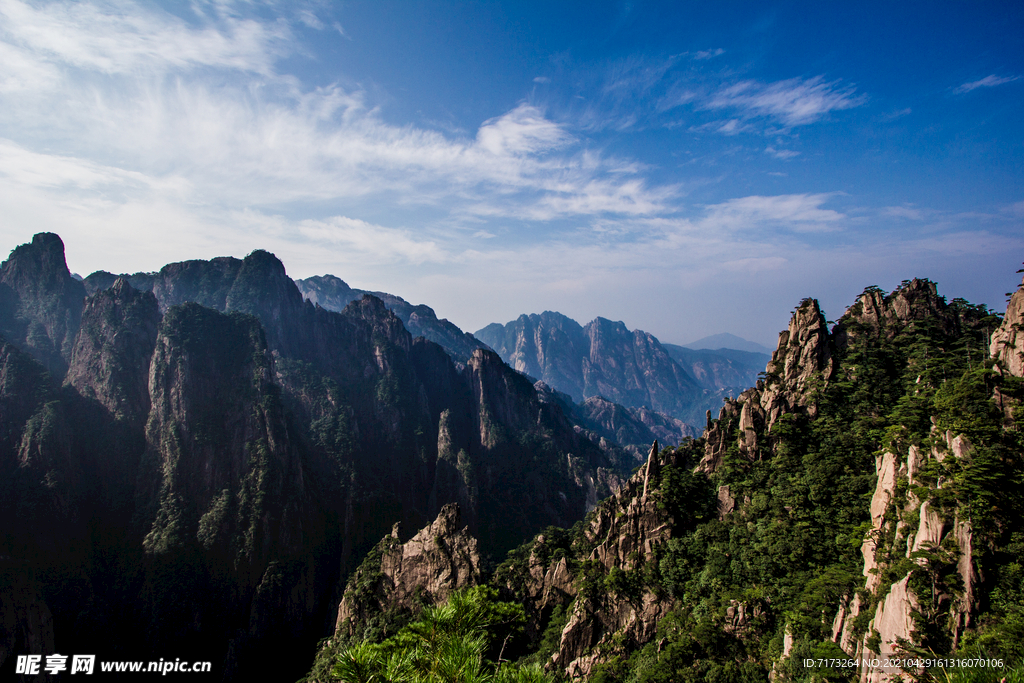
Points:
(218, 442)
(111, 354)
(913, 549)
(626, 531)
(800, 368)
(40, 483)
(601, 359)
(40, 303)
(221, 453)
(1007, 344)
(596, 576)
(631, 428)
(399, 578)
(802, 362)
(549, 347)
(529, 460)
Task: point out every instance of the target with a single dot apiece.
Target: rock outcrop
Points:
(110, 358)
(1007, 344)
(802, 364)
(439, 560)
(624, 532)
(919, 531)
(40, 303)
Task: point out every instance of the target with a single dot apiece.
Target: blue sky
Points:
(687, 168)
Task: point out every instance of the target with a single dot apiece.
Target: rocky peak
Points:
(803, 357)
(874, 311)
(382, 321)
(40, 302)
(205, 282)
(328, 291)
(803, 361)
(440, 559)
(624, 531)
(1007, 344)
(110, 360)
(263, 289)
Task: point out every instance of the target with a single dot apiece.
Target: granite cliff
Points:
(196, 458)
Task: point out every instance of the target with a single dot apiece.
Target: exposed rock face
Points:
(110, 359)
(893, 620)
(803, 358)
(915, 300)
(328, 291)
(440, 559)
(802, 364)
(215, 430)
(601, 359)
(625, 531)
(1007, 344)
(40, 303)
(894, 624)
(885, 469)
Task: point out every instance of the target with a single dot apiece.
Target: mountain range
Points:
(193, 459)
(633, 368)
(206, 462)
(854, 516)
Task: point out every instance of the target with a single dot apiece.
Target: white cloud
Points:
(120, 39)
(792, 102)
(522, 131)
(311, 20)
(119, 87)
(781, 153)
(708, 54)
(906, 212)
(987, 82)
(795, 212)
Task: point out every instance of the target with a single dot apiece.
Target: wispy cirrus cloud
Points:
(791, 212)
(117, 39)
(988, 82)
(792, 102)
(119, 86)
(781, 153)
(708, 54)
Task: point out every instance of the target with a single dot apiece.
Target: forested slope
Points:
(863, 500)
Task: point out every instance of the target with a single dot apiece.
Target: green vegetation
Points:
(463, 640)
(791, 554)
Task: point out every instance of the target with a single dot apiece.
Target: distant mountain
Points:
(721, 369)
(614, 426)
(602, 358)
(728, 341)
(334, 294)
